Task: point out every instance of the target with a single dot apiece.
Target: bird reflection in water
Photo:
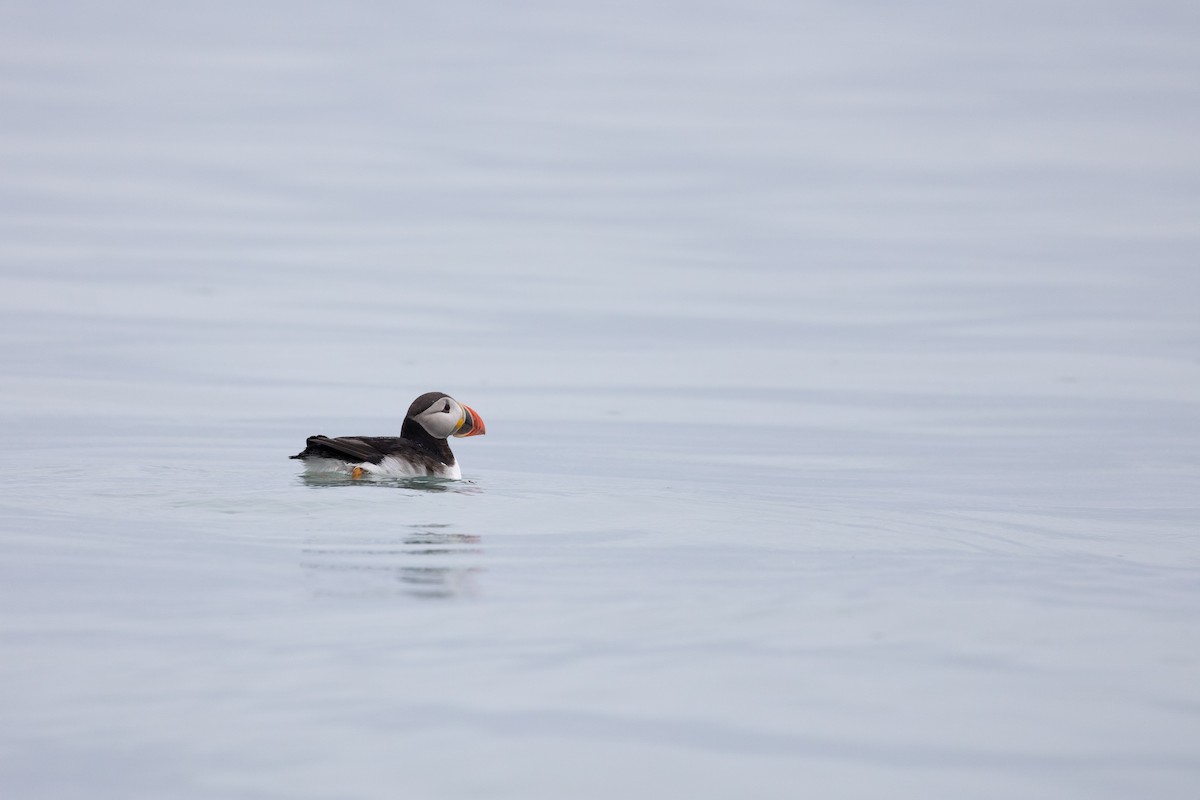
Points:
(424, 484)
(424, 561)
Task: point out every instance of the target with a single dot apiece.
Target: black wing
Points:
(349, 448)
(371, 449)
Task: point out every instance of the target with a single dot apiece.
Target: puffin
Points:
(420, 450)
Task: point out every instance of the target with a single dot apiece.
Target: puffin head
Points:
(442, 416)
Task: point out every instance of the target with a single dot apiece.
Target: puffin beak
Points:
(472, 424)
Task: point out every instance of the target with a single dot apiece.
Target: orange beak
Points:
(472, 423)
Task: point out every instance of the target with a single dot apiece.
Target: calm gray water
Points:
(840, 363)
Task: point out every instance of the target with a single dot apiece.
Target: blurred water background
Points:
(840, 362)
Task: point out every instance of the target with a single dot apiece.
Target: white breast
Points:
(393, 467)
(389, 467)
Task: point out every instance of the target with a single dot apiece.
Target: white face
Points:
(442, 418)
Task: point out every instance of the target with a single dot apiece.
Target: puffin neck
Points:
(413, 432)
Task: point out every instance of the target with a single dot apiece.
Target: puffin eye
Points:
(446, 408)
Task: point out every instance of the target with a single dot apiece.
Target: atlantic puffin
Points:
(420, 449)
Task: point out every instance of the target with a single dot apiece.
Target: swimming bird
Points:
(419, 450)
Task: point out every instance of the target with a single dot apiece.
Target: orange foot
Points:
(356, 473)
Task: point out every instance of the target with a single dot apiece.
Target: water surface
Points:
(839, 363)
